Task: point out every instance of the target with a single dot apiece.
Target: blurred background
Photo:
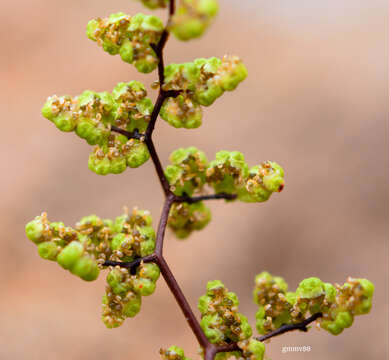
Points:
(315, 101)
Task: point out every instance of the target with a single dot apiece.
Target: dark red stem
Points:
(302, 326)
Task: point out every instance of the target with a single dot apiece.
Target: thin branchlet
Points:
(194, 199)
(302, 326)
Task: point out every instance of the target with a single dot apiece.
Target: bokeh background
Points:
(316, 101)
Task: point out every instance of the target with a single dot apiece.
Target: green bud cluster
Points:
(187, 172)
(134, 236)
(228, 173)
(261, 182)
(338, 304)
(85, 248)
(223, 324)
(193, 17)
(130, 37)
(72, 249)
(123, 297)
(185, 218)
(91, 116)
(118, 154)
(220, 319)
(132, 106)
(200, 83)
(173, 353)
(353, 298)
(270, 294)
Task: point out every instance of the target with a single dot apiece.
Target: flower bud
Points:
(123, 243)
(210, 325)
(217, 77)
(86, 268)
(147, 247)
(185, 218)
(342, 320)
(252, 349)
(117, 282)
(126, 51)
(95, 116)
(182, 112)
(182, 77)
(228, 172)
(187, 174)
(37, 229)
(120, 300)
(261, 182)
(244, 327)
(70, 255)
(149, 271)
(310, 288)
(133, 108)
(128, 36)
(173, 353)
(231, 72)
(220, 319)
(132, 305)
(90, 221)
(99, 165)
(146, 241)
(136, 153)
(144, 287)
(62, 111)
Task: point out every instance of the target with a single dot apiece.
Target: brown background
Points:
(316, 101)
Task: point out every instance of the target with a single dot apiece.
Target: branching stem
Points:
(210, 350)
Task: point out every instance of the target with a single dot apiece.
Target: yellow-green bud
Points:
(310, 288)
(36, 229)
(185, 218)
(210, 325)
(70, 255)
(187, 174)
(136, 153)
(173, 353)
(128, 36)
(228, 172)
(262, 181)
(62, 111)
(149, 271)
(86, 268)
(132, 306)
(182, 112)
(144, 287)
(133, 108)
(48, 250)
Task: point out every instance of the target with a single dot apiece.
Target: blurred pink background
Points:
(316, 101)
